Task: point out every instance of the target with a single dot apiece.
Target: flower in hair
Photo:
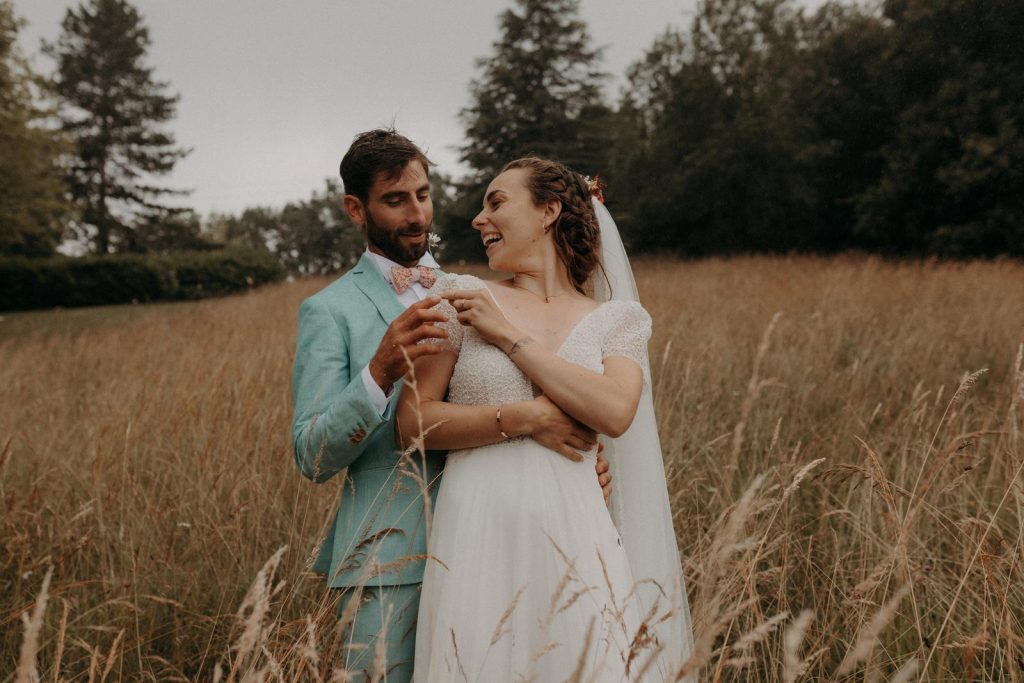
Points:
(596, 187)
(433, 239)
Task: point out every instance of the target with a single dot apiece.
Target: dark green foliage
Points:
(895, 127)
(850, 122)
(113, 110)
(32, 205)
(118, 279)
(539, 93)
(453, 221)
(763, 129)
(720, 161)
(952, 181)
(169, 233)
(201, 274)
(310, 237)
(455, 205)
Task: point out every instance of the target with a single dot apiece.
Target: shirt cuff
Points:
(377, 396)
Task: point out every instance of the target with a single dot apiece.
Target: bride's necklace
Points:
(546, 297)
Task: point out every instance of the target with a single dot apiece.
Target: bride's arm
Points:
(605, 402)
(446, 426)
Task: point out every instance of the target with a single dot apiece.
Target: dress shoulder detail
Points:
(628, 331)
(450, 281)
(456, 332)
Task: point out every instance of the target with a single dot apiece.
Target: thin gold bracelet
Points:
(497, 418)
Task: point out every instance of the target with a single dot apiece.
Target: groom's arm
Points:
(423, 413)
(604, 475)
(334, 414)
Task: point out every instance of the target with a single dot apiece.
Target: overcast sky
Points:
(272, 91)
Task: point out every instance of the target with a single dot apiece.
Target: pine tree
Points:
(32, 205)
(114, 109)
(540, 93)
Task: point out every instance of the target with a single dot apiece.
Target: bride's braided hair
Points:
(575, 232)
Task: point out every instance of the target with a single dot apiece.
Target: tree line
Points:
(895, 127)
(760, 126)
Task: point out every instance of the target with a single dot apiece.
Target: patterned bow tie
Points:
(401, 277)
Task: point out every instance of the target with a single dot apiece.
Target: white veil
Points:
(639, 502)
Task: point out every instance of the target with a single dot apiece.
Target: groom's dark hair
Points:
(381, 152)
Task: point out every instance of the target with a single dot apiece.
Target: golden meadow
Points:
(843, 438)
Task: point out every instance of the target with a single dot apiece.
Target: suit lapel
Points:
(369, 279)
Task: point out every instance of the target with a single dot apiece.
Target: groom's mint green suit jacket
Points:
(378, 535)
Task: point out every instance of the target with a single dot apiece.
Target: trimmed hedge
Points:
(125, 278)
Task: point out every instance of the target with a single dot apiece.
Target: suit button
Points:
(357, 436)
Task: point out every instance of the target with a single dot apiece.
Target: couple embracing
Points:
(512, 565)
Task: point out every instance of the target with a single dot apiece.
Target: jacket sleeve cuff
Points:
(377, 396)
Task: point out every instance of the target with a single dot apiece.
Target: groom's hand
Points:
(389, 364)
(561, 433)
(604, 477)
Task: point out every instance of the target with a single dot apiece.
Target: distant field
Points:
(848, 495)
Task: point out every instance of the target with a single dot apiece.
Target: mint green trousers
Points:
(367, 628)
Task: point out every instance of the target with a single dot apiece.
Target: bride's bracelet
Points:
(497, 418)
(518, 344)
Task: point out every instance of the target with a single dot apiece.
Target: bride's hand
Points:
(477, 308)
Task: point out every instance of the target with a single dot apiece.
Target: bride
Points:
(532, 576)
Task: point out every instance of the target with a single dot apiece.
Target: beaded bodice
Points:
(484, 375)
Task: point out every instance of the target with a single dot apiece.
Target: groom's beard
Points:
(390, 243)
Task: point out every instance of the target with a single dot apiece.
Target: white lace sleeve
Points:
(456, 331)
(446, 283)
(628, 332)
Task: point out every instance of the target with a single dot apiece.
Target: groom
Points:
(353, 340)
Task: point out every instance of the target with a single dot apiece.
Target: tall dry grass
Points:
(847, 487)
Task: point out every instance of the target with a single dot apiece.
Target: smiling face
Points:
(511, 226)
(397, 215)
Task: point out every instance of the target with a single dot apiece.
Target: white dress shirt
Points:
(407, 298)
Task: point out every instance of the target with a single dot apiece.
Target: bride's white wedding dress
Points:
(529, 579)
